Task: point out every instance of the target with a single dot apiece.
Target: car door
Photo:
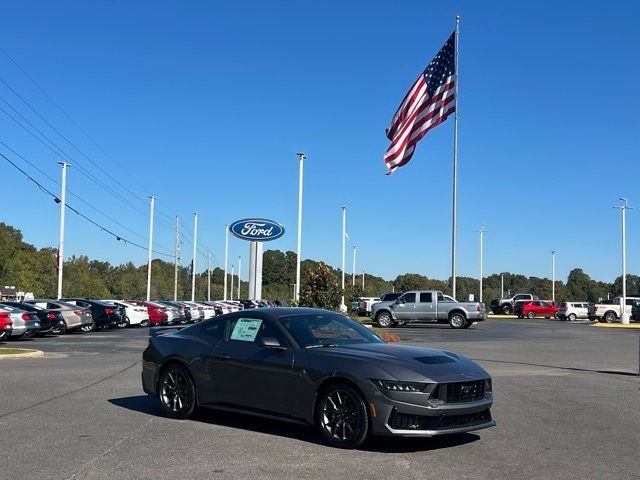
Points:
(405, 307)
(246, 374)
(425, 307)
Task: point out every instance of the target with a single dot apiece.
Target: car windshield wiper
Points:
(323, 345)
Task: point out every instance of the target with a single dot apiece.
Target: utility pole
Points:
(502, 285)
(553, 276)
(482, 231)
(231, 289)
(624, 317)
(353, 271)
(152, 198)
(177, 255)
(226, 258)
(208, 276)
(301, 157)
(63, 207)
(343, 307)
(362, 281)
(193, 259)
(239, 275)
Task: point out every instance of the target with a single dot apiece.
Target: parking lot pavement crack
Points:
(82, 469)
(71, 392)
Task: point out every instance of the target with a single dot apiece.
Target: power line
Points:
(90, 220)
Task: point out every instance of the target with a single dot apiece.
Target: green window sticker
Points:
(246, 329)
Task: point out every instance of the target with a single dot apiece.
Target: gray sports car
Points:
(317, 367)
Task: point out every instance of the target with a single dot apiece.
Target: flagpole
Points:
(455, 168)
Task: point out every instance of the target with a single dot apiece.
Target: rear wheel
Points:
(572, 317)
(88, 327)
(59, 329)
(383, 319)
(144, 323)
(123, 324)
(177, 392)
(531, 315)
(342, 416)
(610, 317)
(457, 320)
(507, 310)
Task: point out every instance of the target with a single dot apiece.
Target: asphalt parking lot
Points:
(567, 403)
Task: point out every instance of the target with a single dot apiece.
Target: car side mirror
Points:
(399, 301)
(271, 342)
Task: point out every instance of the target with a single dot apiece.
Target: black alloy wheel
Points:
(342, 417)
(88, 327)
(457, 320)
(177, 392)
(506, 310)
(383, 319)
(60, 328)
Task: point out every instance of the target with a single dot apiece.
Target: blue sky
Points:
(206, 103)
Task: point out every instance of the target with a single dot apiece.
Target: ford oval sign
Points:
(256, 229)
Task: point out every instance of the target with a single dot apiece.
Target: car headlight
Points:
(488, 389)
(399, 386)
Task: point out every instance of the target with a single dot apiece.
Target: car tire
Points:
(144, 323)
(384, 320)
(59, 329)
(342, 416)
(177, 392)
(572, 317)
(88, 327)
(506, 310)
(124, 324)
(531, 315)
(468, 324)
(457, 320)
(610, 317)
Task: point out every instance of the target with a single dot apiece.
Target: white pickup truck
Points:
(610, 312)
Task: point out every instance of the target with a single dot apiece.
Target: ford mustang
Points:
(315, 367)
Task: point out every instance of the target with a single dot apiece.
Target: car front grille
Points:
(404, 421)
(465, 392)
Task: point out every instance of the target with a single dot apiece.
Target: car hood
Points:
(409, 363)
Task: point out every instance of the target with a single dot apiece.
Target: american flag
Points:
(430, 100)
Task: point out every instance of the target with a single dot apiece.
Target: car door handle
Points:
(223, 356)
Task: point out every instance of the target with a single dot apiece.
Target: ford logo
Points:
(256, 229)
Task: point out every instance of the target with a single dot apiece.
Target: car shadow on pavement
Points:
(148, 405)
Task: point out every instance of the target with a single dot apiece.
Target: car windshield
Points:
(326, 330)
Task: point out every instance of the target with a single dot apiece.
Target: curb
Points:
(27, 354)
(618, 325)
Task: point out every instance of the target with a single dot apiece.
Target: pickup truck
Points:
(507, 305)
(610, 312)
(428, 306)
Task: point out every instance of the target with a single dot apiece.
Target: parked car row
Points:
(40, 316)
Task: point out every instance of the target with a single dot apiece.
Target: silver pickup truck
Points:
(427, 306)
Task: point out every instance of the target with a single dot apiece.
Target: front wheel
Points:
(531, 315)
(342, 417)
(59, 329)
(177, 392)
(123, 324)
(572, 317)
(506, 310)
(383, 319)
(88, 327)
(144, 323)
(457, 320)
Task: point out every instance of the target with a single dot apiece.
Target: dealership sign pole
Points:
(62, 210)
(256, 231)
(226, 258)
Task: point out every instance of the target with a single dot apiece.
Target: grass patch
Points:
(14, 351)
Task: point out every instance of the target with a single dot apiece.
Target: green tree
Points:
(321, 288)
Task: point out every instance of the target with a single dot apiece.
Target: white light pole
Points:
(502, 285)
(226, 258)
(239, 275)
(553, 276)
(208, 276)
(301, 157)
(177, 254)
(482, 231)
(150, 257)
(63, 200)
(624, 317)
(343, 307)
(231, 289)
(353, 272)
(193, 259)
(362, 281)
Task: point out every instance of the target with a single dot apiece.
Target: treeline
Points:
(34, 270)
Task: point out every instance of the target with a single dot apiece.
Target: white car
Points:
(572, 310)
(197, 311)
(136, 314)
(364, 307)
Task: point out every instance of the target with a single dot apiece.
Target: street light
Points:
(482, 231)
(624, 318)
(553, 276)
(301, 157)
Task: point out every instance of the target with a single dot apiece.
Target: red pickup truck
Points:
(539, 308)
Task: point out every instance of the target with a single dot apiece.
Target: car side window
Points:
(409, 298)
(427, 297)
(216, 329)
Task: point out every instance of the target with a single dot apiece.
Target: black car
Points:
(49, 318)
(315, 367)
(105, 315)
